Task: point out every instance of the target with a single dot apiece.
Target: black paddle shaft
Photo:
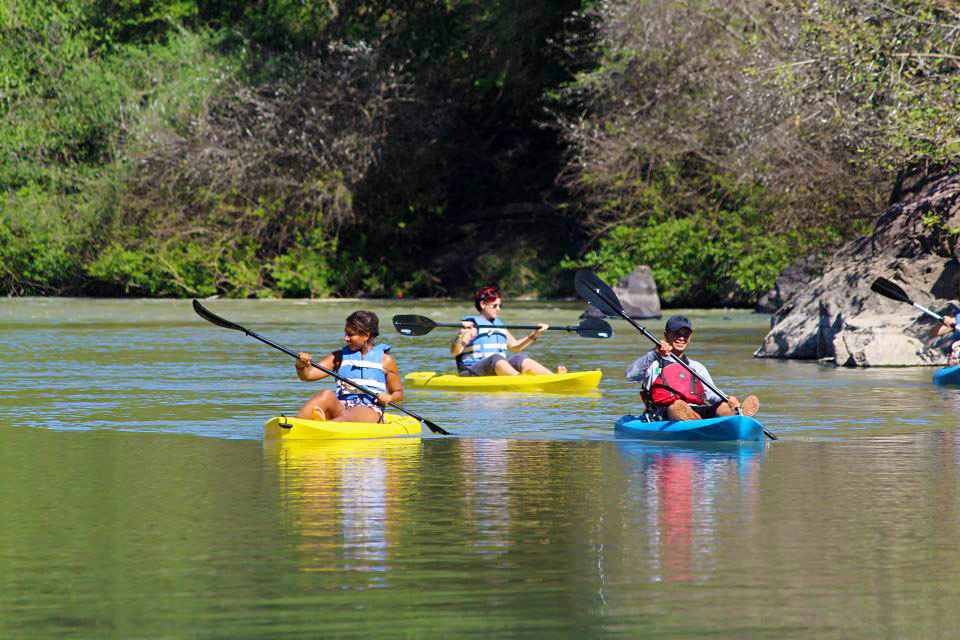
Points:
(414, 325)
(226, 324)
(599, 294)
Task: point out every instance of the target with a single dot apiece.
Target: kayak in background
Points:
(736, 427)
(284, 428)
(947, 375)
(581, 381)
(317, 454)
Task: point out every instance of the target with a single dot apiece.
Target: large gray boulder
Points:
(836, 317)
(790, 282)
(637, 293)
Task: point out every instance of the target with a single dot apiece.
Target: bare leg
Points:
(748, 407)
(323, 406)
(531, 367)
(724, 410)
(358, 414)
(504, 368)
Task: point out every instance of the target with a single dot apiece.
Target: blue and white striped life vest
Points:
(489, 341)
(365, 370)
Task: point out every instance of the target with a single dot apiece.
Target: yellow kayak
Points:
(581, 381)
(303, 429)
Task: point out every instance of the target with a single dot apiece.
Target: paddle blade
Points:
(413, 325)
(594, 328)
(890, 290)
(214, 318)
(436, 428)
(597, 292)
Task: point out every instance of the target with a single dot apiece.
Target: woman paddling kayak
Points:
(670, 392)
(361, 361)
(482, 344)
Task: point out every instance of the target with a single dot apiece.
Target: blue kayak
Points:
(947, 375)
(713, 429)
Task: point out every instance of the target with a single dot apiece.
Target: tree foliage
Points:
(288, 147)
(293, 148)
(885, 74)
(786, 121)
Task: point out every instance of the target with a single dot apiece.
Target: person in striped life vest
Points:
(360, 360)
(483, 346)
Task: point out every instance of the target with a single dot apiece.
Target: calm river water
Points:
(138, 500)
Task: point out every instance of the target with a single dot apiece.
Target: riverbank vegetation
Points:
(198, 147)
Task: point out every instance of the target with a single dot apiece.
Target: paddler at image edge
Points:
(948, 325)
(670, 392)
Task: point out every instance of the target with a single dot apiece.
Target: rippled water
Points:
(138, 499)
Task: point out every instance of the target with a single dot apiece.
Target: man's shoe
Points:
(750, 406)
(683, 411)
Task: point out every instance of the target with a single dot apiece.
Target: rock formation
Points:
(836, 317)
(791, 281)
(637, 293)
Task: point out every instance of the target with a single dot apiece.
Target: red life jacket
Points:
(675, 382)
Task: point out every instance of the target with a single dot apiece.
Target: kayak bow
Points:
(947, 376)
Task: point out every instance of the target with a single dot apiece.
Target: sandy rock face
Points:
(837, 317)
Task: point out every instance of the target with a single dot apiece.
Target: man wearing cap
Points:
(670, 392)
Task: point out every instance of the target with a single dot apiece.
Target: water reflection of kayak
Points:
(704, 451)
(713, 429)
(302, 429)
(579, 381)
(947, 375)
(313, 454)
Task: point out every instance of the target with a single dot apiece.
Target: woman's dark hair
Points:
(485, 294)
(364, 322)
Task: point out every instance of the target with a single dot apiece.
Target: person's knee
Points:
(322, 397)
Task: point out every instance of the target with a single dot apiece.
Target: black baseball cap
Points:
(675, 323)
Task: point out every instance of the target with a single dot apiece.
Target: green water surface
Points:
(138, 499)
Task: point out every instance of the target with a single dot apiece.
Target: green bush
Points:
(304, 270)
(696, 261)
(40, 244)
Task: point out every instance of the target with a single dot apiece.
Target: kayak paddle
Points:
(893, 291)
(422, 325)
(600, 295)
(226, 324)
